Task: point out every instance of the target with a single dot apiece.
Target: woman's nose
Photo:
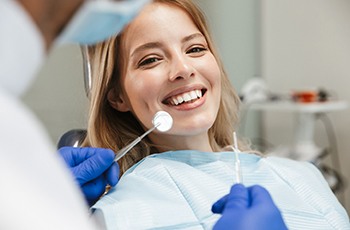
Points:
(181, 68)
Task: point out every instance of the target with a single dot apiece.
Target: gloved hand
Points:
(93, 168)
(248, 208)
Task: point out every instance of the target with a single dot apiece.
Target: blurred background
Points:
(288, 46)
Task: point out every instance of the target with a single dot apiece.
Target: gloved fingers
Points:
(219, 205)
(68, 153)
(259, 195)
(264, 206)
(94, 189)
(112, 174)
(94, 166)
(238, 197)
(233, 210)
(99, 154)
(76, 155)
(261, 198)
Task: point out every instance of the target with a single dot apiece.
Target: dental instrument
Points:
(162, 121)
(238, 168)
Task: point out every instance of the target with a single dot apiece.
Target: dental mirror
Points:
(162, 121)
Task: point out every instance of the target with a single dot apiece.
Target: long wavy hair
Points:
(109, 128)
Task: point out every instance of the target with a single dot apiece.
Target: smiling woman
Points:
(156, 67)
(165, 60)
(173, 62)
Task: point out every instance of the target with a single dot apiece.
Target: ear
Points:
(118, 102)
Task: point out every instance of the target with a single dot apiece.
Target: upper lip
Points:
(182, 90)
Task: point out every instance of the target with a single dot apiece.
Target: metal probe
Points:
(162, 121)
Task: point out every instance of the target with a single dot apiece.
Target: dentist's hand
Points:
(93, 168)
(248, 208)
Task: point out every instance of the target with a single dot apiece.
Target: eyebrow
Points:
(151, 45)
(146, 46)
(192, 36)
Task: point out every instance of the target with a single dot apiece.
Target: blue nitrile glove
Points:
(93, 168)
(248, 208)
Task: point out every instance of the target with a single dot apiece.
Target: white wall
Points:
(57, 96)
(307, 43)
(235, 29)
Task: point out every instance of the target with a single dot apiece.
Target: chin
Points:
(198, 126)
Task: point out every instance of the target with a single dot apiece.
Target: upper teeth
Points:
(185, 97)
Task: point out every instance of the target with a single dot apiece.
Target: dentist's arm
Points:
(93, 169)
(248, 208)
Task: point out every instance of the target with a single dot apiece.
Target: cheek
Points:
(214, 77)
(138, 100)
(212, 73)
(142, 90)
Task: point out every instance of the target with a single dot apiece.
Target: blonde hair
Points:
(109, 128)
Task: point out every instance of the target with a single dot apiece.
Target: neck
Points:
(174, 142)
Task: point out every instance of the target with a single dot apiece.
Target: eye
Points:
(196, 50)
(148, 61)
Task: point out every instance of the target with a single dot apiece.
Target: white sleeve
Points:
(37, 190)
(22, 48)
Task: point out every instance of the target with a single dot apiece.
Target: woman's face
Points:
(170, 68)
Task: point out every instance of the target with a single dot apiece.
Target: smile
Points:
(187, 97)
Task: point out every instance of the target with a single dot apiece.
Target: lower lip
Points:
(192, 105)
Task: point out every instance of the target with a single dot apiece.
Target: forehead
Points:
(159, 21)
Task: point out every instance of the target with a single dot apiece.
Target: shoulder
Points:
(287, 164)
(305, 179)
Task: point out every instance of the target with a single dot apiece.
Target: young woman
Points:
(165, 60)
(132, 83)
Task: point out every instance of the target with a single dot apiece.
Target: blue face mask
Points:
(98, 20)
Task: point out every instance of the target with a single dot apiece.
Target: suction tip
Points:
(163, 121)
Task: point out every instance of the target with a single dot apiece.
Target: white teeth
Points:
(193, 95)
(186, 97)
(179, 99)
